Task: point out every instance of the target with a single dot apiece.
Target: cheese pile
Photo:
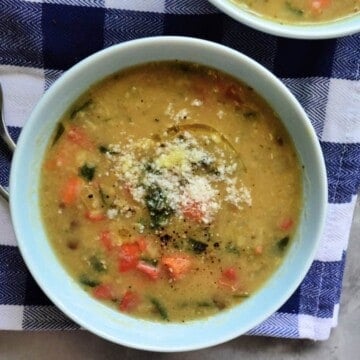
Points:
(188, 175)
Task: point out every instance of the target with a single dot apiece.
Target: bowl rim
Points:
(17, 194)
(325, 30)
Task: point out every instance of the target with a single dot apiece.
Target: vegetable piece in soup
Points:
(171, 191)
(302, 11)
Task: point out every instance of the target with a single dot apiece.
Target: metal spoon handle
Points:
(4, 194)
(4, 134)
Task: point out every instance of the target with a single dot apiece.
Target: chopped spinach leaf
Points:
(232, 248)
(295, 10)
(80, 108)
(158, 206)
(197, 246)
(59, 131)
(219, 303)
(150, 261)
(200, 303)
(86, 280)
(283, 243)
(151, 168)
(105, 150)
(103, 196)
(159, 307)
(242, 295)
(87, 172)
(208, 167)
(97, 264)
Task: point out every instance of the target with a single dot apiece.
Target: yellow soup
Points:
(302, 11)
(171, 191)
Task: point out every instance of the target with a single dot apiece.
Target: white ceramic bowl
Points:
(326, 30)
(67, 294)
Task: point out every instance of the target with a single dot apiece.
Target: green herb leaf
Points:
(159, 307)
(103, 196)
(232, 248)
(158, 206)
(295, 10)
(105, 150)
(219, 303)
(196, 246)
(150, 167)
(59, 131)
(242, 295)
(86, 280)
(150, 261)
(80, 108)
(283, 243)
(97, 264)
(87, 171)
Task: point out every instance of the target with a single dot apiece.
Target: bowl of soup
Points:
(168, 193)
(299, 19)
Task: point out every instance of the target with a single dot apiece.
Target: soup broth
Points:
(302, 11)
(171, 191)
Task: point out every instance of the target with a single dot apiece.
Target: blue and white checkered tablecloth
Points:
(40, 39)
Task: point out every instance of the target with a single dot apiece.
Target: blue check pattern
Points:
(47, 37)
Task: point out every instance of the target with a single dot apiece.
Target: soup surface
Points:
(171, 191)
(302, 11)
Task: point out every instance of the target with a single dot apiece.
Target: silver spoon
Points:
(5, 136)
(4, 194)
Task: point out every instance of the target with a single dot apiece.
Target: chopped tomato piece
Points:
(151, 271)
(78, 136)
(319, 5)
(177, 264)
(95, 215)
(286, 224)
(229, 279)
(129, 256)
(106, 240)
(129, 301)
(258, 249)
(71, 190)
(103, 292)
(230, 273)
(193, 211)
(142, 243)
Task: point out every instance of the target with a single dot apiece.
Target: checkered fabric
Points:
(39, 40)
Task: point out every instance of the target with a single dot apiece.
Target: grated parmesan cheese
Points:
(180, 168)
(112, 213)
(183, 114)
(220, 114)
(196, 102)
